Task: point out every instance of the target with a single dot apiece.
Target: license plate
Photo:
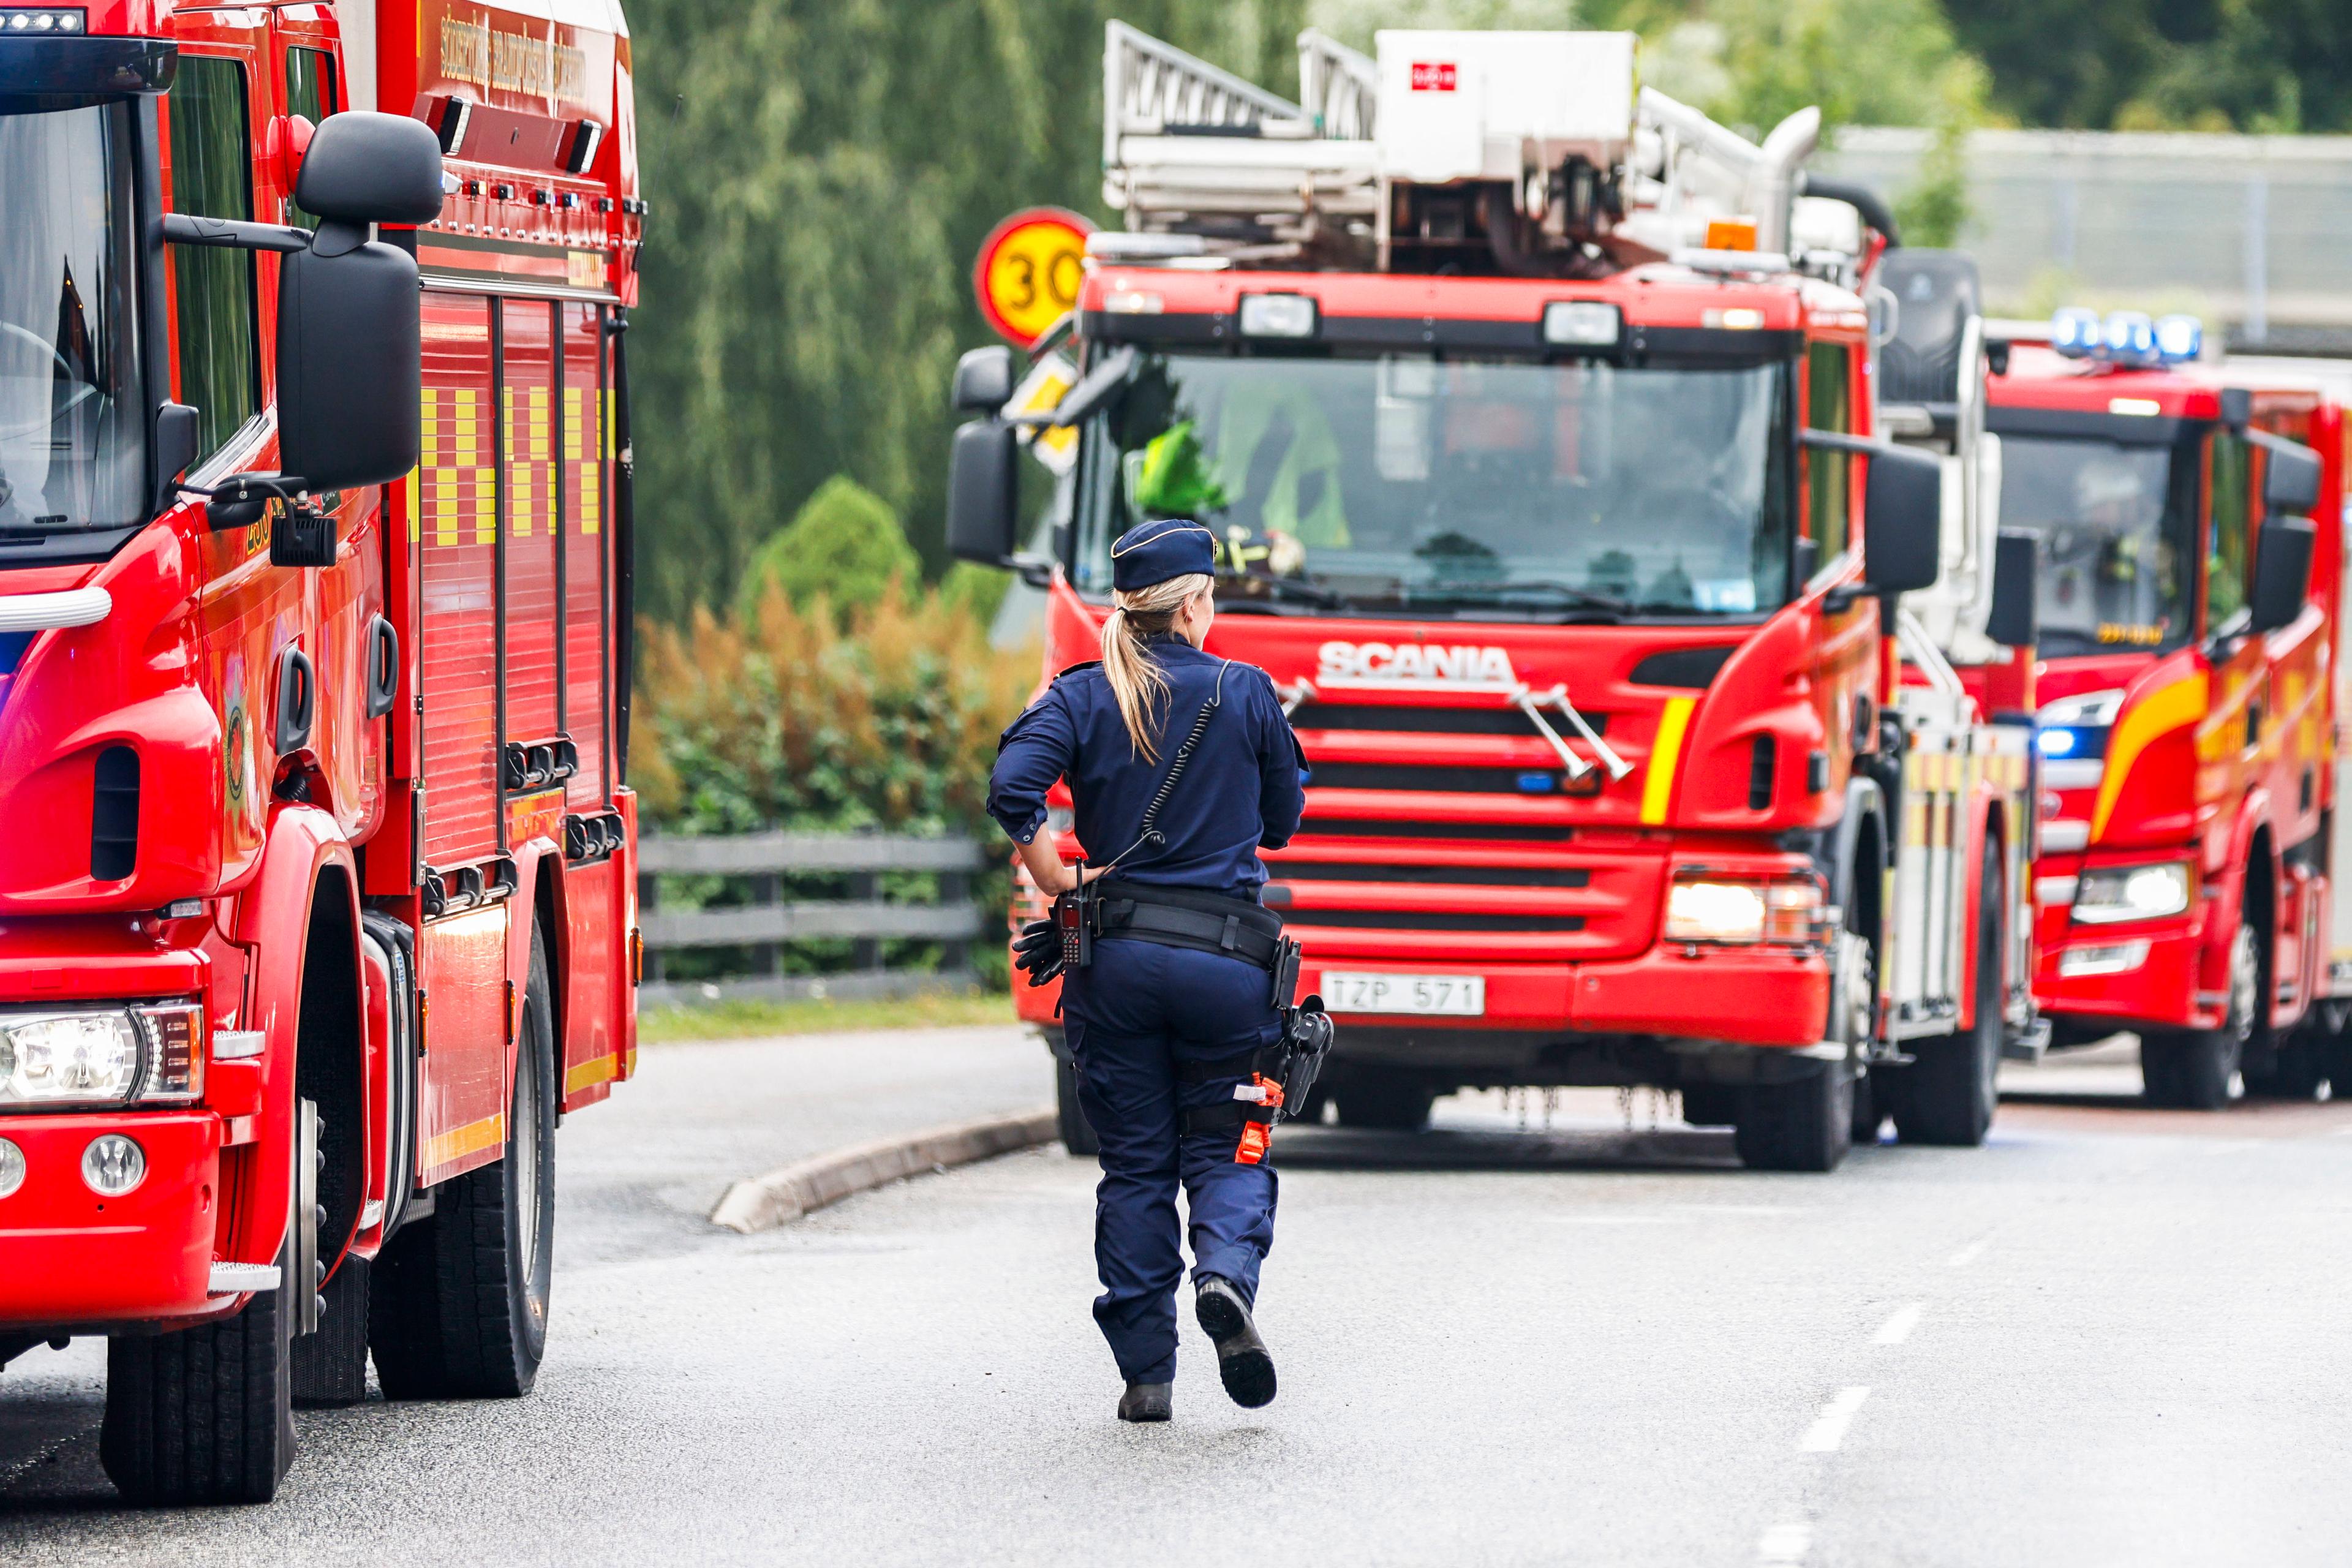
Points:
(1455, 995)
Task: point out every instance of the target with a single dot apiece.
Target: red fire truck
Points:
(2189, 620)
(318, 911)
(1540, 418)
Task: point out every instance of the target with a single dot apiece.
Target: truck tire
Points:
(206, 1415)
(1805, 1124)
(2294, 1070)
(1078, 1136)
(459, 1307)
(1950, 1092)
(2190, 1069)
(1388, 1102)
(330, 1364)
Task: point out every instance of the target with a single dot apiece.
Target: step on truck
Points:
(1542, 422)
(316, 908)
(2190, 886)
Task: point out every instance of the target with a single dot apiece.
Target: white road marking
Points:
(1970, 1253)
(1784, 1544)
(1897, 1328)
(1828, 1429)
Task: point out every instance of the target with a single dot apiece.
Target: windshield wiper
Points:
(1540, 589)
(1288, 587)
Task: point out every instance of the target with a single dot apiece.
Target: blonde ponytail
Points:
(1135, 680)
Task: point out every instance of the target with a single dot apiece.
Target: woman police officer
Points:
(1167, 1010)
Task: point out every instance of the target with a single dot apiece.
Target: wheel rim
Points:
(2245, 987)
(526, 1156)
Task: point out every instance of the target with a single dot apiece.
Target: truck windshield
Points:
(1414, 482)
(2113, 524)
(72, 430)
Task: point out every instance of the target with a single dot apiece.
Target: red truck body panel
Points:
(2220, 756)
(459, 811)
(1419, 853)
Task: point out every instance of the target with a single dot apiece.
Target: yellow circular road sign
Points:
(1029, 271)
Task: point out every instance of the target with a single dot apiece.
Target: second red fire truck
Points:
(2189, 879)
(1544, 422)
(317, 908)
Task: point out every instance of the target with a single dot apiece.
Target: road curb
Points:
(779, 1197)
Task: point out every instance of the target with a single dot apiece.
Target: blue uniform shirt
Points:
(1243, 788)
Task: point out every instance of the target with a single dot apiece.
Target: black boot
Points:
(1145, 1402)
(1242, 1360)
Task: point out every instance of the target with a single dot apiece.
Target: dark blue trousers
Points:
(1139, 1010)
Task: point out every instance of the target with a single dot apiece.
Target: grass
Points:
(741, 1020)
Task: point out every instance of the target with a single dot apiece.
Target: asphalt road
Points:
(2112, 1336)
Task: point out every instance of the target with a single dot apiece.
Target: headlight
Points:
(2075, 728)
(112, 1165)
(2131, 893)
(1709, 911)
(101, 1056)
(12, 1168)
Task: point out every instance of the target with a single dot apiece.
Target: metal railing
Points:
(771, 921)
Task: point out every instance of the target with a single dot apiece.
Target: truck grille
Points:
(1445, 779)
(1453, 876)
(1383, 719)
(1386, 827)
(1431, 920)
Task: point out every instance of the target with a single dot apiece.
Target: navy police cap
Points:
(1163, 548)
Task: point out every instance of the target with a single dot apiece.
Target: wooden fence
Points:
(771, 922)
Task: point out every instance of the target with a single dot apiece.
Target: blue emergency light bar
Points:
(2127, 338)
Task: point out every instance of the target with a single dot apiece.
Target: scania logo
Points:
(1414, 664)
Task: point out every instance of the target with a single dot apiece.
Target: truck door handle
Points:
(384, 667)
(298, 699)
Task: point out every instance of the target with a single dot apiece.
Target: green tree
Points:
(823, 175)
(845, 546)
(2251, 65)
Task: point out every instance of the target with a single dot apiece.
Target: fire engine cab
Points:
(1544, 422)
(317, 907)
(2188, 873)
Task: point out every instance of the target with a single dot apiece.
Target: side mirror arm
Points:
(227, 234)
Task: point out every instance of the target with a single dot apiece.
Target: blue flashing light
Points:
(2075, 333)
(2180, 337)
(2058, 742)
(1538, 783)
(2130, 337)
(2126, 337)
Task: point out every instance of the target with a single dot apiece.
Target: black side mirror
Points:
(983, 492)
(362, 168)
(175, 448)
(2282, 573)
(1903, 522)
(983, 380)
(2290, 479)
(2014, 619)
(349, 358)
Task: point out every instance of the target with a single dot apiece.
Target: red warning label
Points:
(1434, 76)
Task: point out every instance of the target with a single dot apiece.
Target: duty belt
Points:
(1182, 917)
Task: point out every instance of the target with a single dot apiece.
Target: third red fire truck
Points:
(1543, 421)
(2190, 616)
(316, 903)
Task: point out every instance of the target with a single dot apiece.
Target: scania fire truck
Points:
(1540, 415)
(2190, 852)
(316, 904)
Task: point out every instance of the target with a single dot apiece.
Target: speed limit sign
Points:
(1029, 269)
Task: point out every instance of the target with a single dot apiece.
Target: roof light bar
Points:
(2127, 338)
(51, 19)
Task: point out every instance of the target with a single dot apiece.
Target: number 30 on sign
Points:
(1029, 269)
